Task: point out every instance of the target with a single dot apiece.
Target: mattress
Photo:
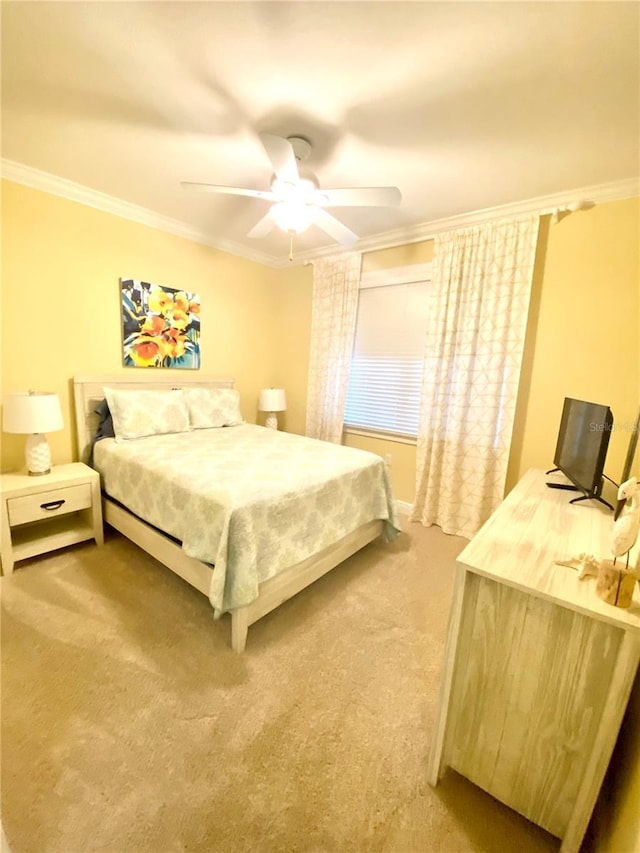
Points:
(248, 500)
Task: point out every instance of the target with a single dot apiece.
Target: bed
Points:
(246, 515)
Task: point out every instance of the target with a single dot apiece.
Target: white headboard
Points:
(88, 391)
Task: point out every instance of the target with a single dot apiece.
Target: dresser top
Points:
(534, 527)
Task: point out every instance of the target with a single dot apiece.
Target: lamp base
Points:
(271, 421)
(38, 455)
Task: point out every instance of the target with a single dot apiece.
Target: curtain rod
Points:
(557, 214)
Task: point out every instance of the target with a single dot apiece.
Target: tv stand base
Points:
(591, 498)
(567, 486)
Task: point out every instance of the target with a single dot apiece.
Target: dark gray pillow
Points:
(105, 427)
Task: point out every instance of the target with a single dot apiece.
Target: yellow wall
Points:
(61, 262)
(582, 341)
(290, 339)
(621, 796)
(60, 316)
(583, 333)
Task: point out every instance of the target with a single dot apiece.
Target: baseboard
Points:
(404, 507)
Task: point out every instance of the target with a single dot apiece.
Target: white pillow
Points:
(213, 407)
(139, 413)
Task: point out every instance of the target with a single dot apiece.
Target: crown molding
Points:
(39, 180)
(542, 205)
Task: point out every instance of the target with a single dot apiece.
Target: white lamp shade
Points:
(32, 412)
(272, 400)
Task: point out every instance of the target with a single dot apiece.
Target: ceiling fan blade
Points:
(283, 160)
(360, 197)
(263, 227)
(334, 228)
(214, 188)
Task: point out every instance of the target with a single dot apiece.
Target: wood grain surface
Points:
(538, 669)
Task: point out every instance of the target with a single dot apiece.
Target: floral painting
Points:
(160, 326)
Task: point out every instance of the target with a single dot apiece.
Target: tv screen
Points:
(585, 429)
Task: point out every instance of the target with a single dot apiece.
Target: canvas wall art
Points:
(160, 325)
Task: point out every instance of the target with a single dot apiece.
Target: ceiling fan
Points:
(298, 201)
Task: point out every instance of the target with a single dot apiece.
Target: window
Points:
(388, 354)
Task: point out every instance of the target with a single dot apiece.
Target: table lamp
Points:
(33, 413)
(272, 400)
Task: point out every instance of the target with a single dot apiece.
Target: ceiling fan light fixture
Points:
(298, 201)
(292, 216)
(303, 191)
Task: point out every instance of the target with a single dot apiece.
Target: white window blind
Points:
(388, 355)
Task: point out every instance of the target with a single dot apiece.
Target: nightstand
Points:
(40, 514)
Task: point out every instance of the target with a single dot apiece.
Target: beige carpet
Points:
(129, 725)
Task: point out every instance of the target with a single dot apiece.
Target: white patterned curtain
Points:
(333, 323)
(475, 338)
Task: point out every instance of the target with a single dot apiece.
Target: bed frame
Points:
(88, 391)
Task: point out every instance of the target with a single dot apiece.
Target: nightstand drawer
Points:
(48, 504)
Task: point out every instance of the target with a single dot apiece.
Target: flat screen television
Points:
(581, 450)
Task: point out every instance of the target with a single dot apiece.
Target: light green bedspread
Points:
(249, 500)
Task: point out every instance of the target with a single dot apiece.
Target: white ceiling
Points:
(463, 106)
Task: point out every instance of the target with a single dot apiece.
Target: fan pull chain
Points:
(290, 247)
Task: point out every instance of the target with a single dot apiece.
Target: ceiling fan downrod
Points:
(301, 147)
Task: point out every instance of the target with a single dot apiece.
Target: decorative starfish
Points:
(586, 564)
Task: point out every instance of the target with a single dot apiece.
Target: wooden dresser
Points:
(537, 670)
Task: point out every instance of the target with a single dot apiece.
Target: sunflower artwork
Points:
(160, 326)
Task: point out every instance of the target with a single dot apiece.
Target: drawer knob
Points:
(52, 504)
